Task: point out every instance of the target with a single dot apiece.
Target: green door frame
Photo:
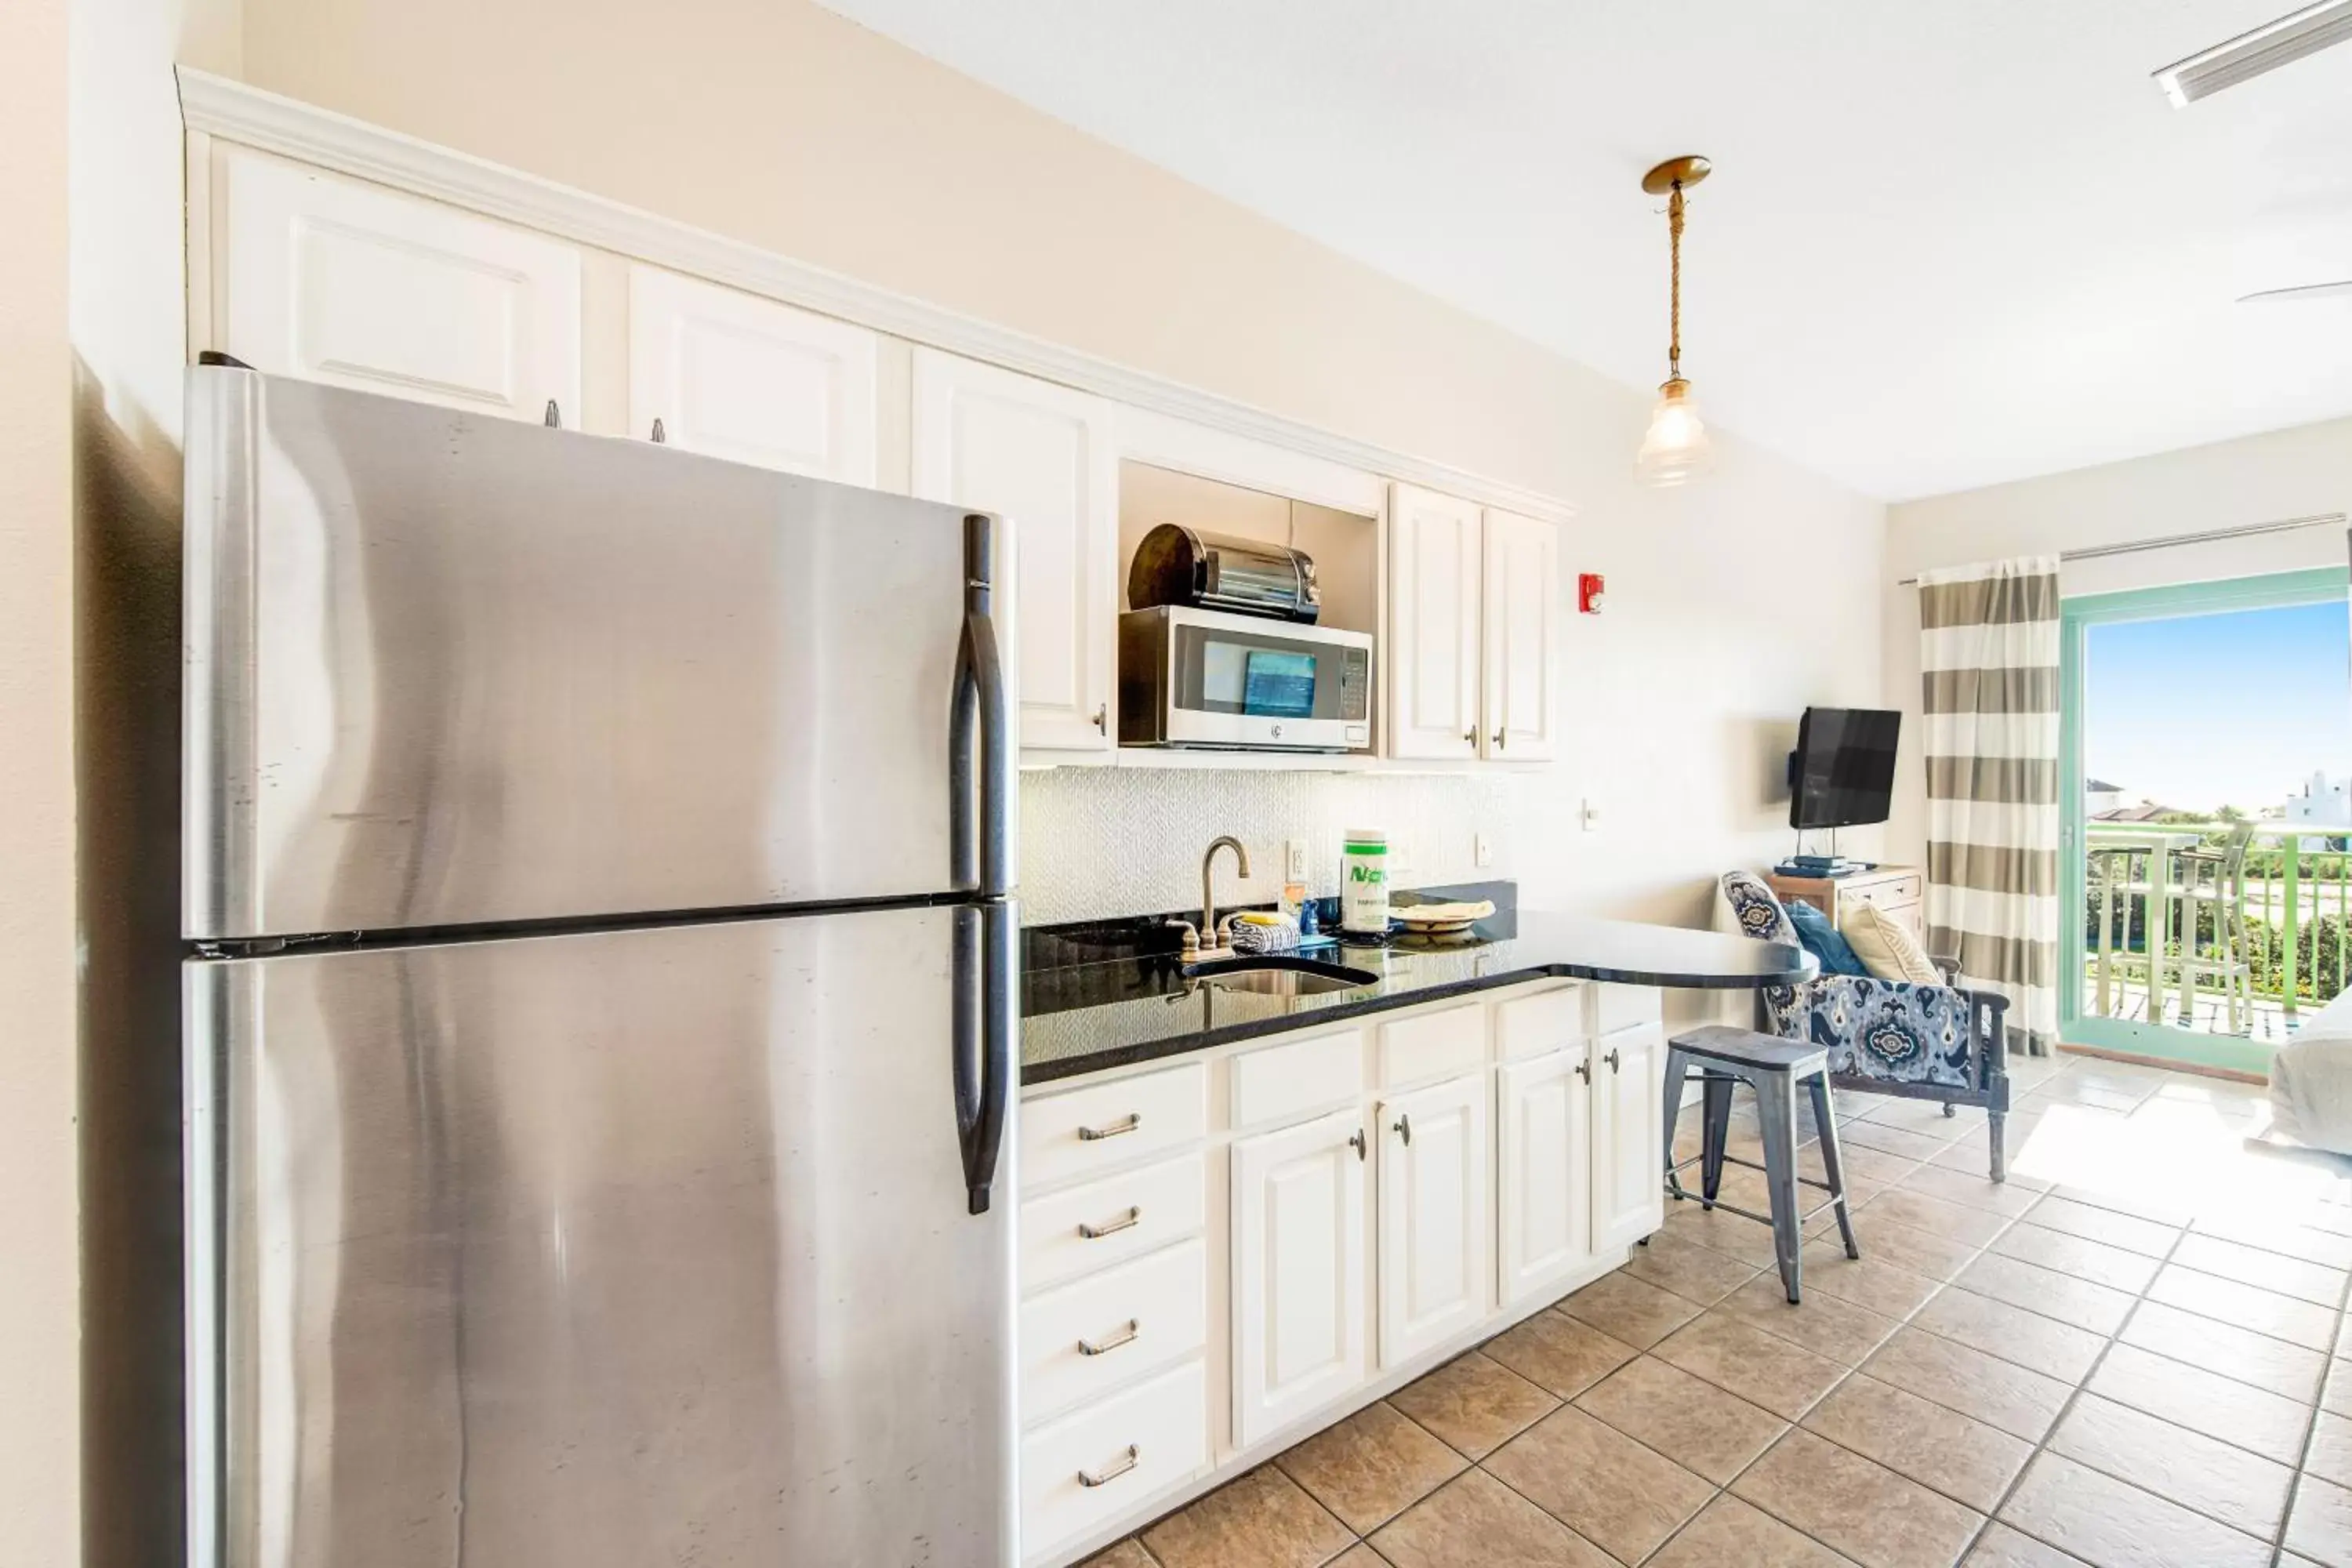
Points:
(2076, 615)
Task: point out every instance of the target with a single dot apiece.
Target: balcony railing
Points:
(2282, 923)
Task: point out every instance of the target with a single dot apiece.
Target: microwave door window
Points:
(1278, 685)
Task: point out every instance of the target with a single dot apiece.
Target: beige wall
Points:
(787, 126)
(39, 1275)
(2287, 473)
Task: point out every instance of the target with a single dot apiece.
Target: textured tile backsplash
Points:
(1118, 840)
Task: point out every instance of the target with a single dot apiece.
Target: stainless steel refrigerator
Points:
(600, 1002)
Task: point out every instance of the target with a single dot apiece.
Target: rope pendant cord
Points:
(1674, 286)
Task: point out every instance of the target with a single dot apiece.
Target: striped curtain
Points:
(1989, 664)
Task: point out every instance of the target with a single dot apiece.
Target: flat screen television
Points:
(1842, 772)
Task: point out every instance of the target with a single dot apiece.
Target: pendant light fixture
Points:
(1676, 446)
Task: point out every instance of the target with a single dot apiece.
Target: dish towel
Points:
(1988, 698)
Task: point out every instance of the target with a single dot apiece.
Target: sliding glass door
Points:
(2207, 755)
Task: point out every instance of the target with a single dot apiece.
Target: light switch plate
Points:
(1591, 817)
(1481, 850)
(1294, 859)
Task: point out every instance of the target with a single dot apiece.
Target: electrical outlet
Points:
(1482, 851)
(1592, 816)
(1294, 859)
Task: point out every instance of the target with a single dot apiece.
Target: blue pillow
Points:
(1820, 939)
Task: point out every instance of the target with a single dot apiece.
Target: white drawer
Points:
(1068, 1137)
(1067, 1234)
(1110, 1328)
(1298, 1080)
(1131, 1447)
(1435, 1045)
(1623, 1006)
(1530, 1026)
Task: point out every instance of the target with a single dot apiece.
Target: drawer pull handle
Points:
(1404, 1125)
(1126, 1336)
(1134, 1456)
(1096, 1232)
(1614, 1066)
(1127, 1123)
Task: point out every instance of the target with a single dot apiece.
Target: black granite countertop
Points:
(1086, 1006)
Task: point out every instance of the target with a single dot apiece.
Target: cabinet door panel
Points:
(1543, 1154)
(1041, 456)
(1434, 1269)
(1298, 1272)
(1628, 1168)
(750, 380)
(336, 282)
(1520, 621)
(1432, 653)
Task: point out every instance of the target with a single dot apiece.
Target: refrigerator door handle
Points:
(986, 989)
(964, 735)
(994, 716)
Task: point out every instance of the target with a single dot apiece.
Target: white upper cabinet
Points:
(1297, 1271)
(1521, 613)
(1543, 1190)
(737, 376)
(1433, 1267)
(1627, 1127)
(1041, 456)
(333, 280)
(1433, 654)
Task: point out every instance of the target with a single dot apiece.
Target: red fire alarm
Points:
(1587, 593)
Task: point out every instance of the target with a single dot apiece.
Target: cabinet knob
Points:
(1584, 1070)
(1102, 717)
(1498, 740)
(1470, 734)
(1614, 1066)
(1355, 1141)
(1404, 1127)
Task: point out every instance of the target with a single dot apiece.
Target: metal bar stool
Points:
(1773, 1068)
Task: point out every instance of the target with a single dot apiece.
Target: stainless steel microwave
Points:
(1213, 680)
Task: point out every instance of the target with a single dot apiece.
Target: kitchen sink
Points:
(1277, 976)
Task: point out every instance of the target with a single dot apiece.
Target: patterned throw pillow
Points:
(1887, 947)
(1758, 912)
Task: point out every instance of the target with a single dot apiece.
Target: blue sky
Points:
(2205, 710)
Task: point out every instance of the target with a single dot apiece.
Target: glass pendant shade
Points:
(1676, 447)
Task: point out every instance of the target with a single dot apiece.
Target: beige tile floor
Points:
(2127, 1357)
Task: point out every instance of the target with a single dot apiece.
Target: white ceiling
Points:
(1945, 245)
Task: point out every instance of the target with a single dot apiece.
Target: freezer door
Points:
(604, 1250)
(443, 669)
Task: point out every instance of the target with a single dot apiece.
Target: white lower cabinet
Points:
(1433, 1209)
(1094, 1465)
(1221, 1253)
(1629, 1198)
(1299, 1308)
(1543, 1187)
